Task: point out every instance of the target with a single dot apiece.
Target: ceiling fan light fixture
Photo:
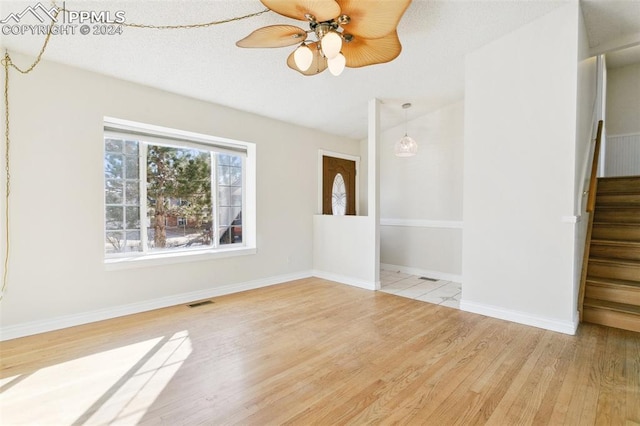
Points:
(362, 32)
(303, 57)
(343, 19)
(331, 44)
(337, 64)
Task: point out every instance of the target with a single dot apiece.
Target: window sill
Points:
(160, 259)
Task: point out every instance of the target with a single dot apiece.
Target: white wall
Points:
(519, 174)
(363, 202)
(421, 196)
(622, 156)
(344, 250)
(587, 113)
(623, 100)
(56, 271)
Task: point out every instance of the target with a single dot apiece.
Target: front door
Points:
(338, 186)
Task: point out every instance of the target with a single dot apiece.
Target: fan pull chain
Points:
(177, 27)
(191, 26)
(6, 62)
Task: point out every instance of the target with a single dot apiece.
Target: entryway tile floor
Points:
(440, 292)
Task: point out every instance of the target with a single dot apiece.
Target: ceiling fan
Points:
(351, 33)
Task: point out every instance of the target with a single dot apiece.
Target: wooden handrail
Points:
(591, 206)
(591, 201)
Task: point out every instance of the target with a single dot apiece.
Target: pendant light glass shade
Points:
(337, 64)
(331, 44)
(303, 57)
(405, 147)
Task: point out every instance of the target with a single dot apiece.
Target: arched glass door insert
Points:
(338, 196)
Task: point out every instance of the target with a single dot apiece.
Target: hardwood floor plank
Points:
(396, 362)
(483, 389)
(502, 414)
(422, 395)
(350, 365)
(316, 352)
(450, 383)
(611, 398)
(589, 392)
(538, 386)
(632, 369)
(574, 378)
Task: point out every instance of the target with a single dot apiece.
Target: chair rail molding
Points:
(422, 223)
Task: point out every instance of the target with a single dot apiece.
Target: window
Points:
(171, 191)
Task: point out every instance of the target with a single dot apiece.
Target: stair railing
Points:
(591, 206)
(593, 182)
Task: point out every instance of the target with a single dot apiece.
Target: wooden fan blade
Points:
(322, 10)
(274, 36)
(372, 18)
(318, 65)
(361, 52)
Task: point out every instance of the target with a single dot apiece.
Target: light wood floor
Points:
(315, 352)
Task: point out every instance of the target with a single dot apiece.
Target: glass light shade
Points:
(337, 64)
(405, 147)
(331, 44)
(303, 56)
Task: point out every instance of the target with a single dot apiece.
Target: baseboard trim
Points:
(422, 272)
(566, 327)
(343, 279)
(37, 327)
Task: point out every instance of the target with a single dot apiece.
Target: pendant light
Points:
(406, 146)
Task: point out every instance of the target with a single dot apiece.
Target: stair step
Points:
(618, 199)
(612, 306)
(612, 290)
(612, 287)
(612, 314)
(612, 249)
(617, 214)
(619, 184)
(613, 268)
(615, 231)
(612, 281)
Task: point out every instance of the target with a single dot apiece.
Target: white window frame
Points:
(164, 136)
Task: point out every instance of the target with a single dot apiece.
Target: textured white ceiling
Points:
(609, 20)
(624, 57)
(206, 64)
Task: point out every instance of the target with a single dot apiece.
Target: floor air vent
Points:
(428, 279)
(195, 305)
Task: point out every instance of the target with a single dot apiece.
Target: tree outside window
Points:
(168, 198)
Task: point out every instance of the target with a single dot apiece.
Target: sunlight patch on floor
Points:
(113, 386)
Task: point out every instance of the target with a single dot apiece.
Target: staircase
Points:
(612, 287)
